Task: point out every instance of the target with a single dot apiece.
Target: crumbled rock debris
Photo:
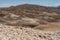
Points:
(13, 33)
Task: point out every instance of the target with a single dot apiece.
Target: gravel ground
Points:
(21, 33)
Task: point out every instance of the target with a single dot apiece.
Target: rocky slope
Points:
(21, 33)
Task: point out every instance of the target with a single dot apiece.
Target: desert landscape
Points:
(30, 22)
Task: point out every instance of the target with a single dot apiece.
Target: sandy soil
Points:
(55, 26)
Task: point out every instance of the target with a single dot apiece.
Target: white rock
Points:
(13, 33)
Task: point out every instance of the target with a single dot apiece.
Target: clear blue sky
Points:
(5, 3)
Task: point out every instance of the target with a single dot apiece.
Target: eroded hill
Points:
(29, 15)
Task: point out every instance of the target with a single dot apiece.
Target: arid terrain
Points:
(31, 16)
(33, 19)
(21, 33)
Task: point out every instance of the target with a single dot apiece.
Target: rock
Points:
(22, 33)
(30, 22)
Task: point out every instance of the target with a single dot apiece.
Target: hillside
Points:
(29, 15)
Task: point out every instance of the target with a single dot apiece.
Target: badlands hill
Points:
(29, 15)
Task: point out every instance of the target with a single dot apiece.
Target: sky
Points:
(7, 3)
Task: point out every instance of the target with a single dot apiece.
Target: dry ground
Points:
(21, 33)
(50, 26)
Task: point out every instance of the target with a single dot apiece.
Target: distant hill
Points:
(15, 13)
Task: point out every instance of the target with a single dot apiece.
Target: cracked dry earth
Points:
(21, 33)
